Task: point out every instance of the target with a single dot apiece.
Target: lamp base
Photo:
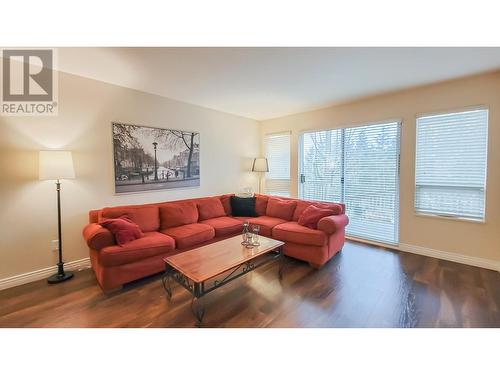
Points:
(58, 278)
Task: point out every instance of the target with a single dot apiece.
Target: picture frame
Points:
(148, 158)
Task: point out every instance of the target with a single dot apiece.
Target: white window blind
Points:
(321, 166)
(277, 148)
(371, 187)
(360, 167)
(450, 170)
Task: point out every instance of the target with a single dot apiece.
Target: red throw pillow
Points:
(280, 208)
(312, 215)
(302, 205)
(210, 208)
(124, 229)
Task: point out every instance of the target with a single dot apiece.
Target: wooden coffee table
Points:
(209, 267)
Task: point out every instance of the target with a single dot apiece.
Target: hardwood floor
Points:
(363, 286)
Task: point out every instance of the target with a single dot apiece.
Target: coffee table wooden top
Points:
(208, 261)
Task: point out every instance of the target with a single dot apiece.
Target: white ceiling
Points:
(264, 83)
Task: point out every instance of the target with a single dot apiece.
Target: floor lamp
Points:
(57, 165)
(260, 165)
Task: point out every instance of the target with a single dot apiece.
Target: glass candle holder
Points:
(245, 234)
(255, 235)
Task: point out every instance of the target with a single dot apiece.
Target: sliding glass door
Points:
(321, 166)
(358, 166)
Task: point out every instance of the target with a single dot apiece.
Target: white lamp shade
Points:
(55, 165)
(260, 165)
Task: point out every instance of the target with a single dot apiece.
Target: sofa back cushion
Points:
(146, 217)
(302, 205)
(177, 214)
(210, 208)
(282, 209)
(226, 203)
(94, 216)
(261, 204)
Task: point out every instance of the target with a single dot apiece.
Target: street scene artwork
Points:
(147, 158)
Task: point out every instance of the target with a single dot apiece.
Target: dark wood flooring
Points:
(363, 286)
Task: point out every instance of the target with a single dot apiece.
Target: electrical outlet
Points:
(54, 245)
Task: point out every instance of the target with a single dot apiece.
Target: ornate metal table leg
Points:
(197, 306)
(198, 310)
(166, 281)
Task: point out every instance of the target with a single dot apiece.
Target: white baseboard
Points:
(440, 254)
(452, 257)
(375, 243)
(25, 278)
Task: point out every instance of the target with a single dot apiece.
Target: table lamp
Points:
(57, 165)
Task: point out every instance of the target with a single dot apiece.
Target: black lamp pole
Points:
(60, 275)
(156, 162)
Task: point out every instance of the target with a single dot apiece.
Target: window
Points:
(360, 167)
(277, 148)
(450, 170)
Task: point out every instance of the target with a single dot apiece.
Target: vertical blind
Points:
(277, 148)
(450, 170)
(360, 167)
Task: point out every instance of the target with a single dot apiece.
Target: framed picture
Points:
(147, 158)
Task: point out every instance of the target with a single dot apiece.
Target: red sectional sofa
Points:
(177, 226)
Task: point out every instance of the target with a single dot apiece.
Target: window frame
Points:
(430, 215)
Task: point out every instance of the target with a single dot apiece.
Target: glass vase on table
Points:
(255, 235)
(246, 235)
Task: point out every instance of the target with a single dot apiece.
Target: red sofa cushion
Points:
(177, 214)
(151, 244)
(261, 204)
(94, 216)
(146, 217)
(302, 205)
(226, 203)
(224, 225)
(210, 208)
(266, 223)
(190, 234)
(312, 215)
(296, 233)
(282, 209)
(124, 230)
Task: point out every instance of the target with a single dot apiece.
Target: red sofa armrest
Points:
(98, 237)
(331, 224)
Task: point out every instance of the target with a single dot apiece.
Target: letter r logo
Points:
(27, 75)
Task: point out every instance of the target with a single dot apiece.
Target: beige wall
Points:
(472, 239)
(86, 109)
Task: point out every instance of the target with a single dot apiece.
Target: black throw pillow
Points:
(243, 206)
